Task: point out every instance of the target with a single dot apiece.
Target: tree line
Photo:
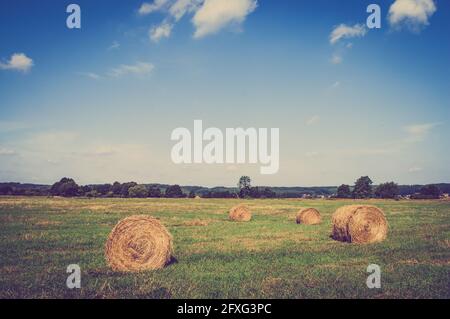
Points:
(362, 188)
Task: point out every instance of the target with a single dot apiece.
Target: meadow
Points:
(268, 257)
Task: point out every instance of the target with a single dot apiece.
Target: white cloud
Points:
(140, 68)
(114, 45)
(214, 15)
(147, 8)
(180, 7)
(417, 132)
(6, 152)
(313, 120)
(18, 62)
(10, 126)
(415, 169)
(415, 13)
(335, 85)
(90, 75)
(336, 59)
(344, 31)
(161, 31)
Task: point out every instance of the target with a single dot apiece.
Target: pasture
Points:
(269, 257)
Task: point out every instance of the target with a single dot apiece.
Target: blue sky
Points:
(99, 104)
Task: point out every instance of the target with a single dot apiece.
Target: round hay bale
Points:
(138, 243)
(240, 213)
(359, 224)
(308, 216)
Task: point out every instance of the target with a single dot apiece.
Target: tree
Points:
(387, 190)
(154, 192)
(191, 194)
(363, 187)
(344, 191)
(116, 188)
(268, 193)
(244, 182)
(174, 191)
(430, 191)
(65, 187)
(125, 187)
(244, 186)
(138, 191)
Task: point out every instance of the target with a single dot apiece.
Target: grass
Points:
(269, 257)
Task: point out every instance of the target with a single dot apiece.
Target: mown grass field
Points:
(269, 257)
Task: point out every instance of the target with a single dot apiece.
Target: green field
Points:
(269, 257)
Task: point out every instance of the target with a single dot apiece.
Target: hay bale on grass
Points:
(138, 243)
(359, 224)
(240, 213)
(308, 216)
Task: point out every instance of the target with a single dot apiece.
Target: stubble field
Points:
(268, 257)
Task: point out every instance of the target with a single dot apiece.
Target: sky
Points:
(99, 103)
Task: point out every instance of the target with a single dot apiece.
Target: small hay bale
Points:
(308, 216)
(138, 243)
(359, 224)
(240, 213)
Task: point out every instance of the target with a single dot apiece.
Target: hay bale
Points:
(240, 213)
(359, 224)
(308, 216)
(138, 243)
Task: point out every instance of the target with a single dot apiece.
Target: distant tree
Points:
(191, 194)
(154, 192)
(92, 194)
(430, 191)
(268, 193)
(363, 187)
(125, 187)
(244, 186)
(102, 189)
(344, 191)
(65, 187)
(138, 191)
(116, 188)
(6, 190)
(244, 182)
(387, 190)
(174, 191)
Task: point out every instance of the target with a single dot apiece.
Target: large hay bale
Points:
(138, 243)
(308, 216)
(359, 224)
(240, 213)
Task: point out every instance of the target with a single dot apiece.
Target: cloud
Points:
(6, 152)
(10, 126)
(336, 59)
(147, 8)
(214, 15)
(90, 75)
(162, 31)
(335, 85)
(415, 169)
(115, 45)
(417, 132)
(18, 62)
(413, 13)
(343, 31)
(313, 120)
(180, 7)
(140, 68)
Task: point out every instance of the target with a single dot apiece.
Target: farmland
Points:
(269, 257)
